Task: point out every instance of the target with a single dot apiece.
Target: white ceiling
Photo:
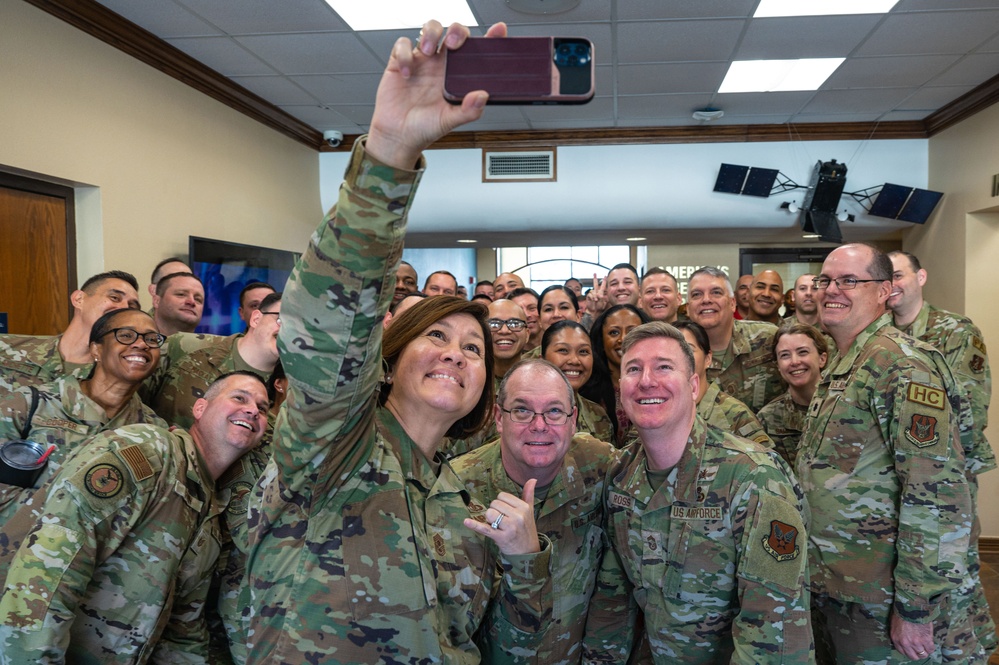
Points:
(658, 60)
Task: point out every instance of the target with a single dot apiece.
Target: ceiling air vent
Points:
(518, 166)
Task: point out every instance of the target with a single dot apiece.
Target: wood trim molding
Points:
(988, 545)
(100, 22)
(964, 106)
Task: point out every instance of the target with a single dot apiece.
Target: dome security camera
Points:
(333, 138)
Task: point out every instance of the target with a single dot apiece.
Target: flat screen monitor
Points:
(225, 268)
(730, 178)
(920, 206)
(890, 200)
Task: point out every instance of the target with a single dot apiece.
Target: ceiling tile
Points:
(664, 78)
(660, 106)
(930, 5)
(317, 53)
(677, 41)
(278, 89)
(492, 11)
(164, 18)
(358, 113)
(223, 55)
(762, 103)
(342, 88)
(894, 72)
(651, 10)
(380, 42)
(804, 37)
(597, 108)
(855, 101)
(972, 70)
(932, 98)
(804, 118)
(902, 116)
(248, 17)
(930, 32)
(321, 118)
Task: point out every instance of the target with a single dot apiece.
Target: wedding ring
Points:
(496, 522)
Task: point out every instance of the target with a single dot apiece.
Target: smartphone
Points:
(522, 70)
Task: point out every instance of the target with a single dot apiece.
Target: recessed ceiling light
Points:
(467, 241)
(636, 239)
(401, 14)
(771, 8)
(778, 75)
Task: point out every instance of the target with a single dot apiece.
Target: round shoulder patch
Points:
(104, 480)
(238, 497)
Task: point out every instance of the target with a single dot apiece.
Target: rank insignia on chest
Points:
(922, 431)
(977, 364)
(439, 545)
(782, 543)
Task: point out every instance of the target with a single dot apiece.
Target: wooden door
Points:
(37, 255)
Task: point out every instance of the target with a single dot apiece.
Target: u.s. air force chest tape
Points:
(775, 551)
(924, 421)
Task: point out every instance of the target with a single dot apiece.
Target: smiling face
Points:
(507, 344)
(505, 283)
(556, 306)
(441, 372)
(906, 285)
(570, 350)
(181, 303)
(805, 295)
(742, 291)
(799, 362)
(708, 301)
(529, 303)
(104, 296)
(658, 389)
(128, 363)
(846, 313)
(766, 294)
(405, 282)
(616, 326)
(660, 298)
(233, 413)
(535, 449)
(622, 287)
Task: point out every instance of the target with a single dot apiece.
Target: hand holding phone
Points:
(522, 70)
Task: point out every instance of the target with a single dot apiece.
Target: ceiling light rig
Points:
(708, 114)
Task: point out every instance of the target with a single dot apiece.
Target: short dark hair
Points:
(697, 331)
(105, 323)
(251, 286)
(483, 282)
(161, 285)
(269, 300)
(624, 266)
(215, 387)
(276, 375)
(91, 284)
(410, 324)
(481, 296)
(658, 270)
(440, 272)
(172, 259)
(558, 327)
(522, 291)
(913, 261)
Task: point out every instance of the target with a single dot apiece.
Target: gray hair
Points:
(539, 363)
(713, 272)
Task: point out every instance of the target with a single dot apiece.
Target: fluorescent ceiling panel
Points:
(778, 75)
(771, 8)
(401, 14)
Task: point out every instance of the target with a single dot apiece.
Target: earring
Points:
(388, 378)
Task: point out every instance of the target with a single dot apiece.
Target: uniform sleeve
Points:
(610, 621)
(773, 624)
(330, 341)
(972, 372)
(52, 569)
(935, 511)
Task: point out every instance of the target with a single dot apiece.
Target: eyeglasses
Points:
(523, 416)
(277, 314)
(153, 340)
(843, 283)
(513, 324)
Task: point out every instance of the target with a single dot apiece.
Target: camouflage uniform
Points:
(571, 514)
(784, 421)
(189, 363)
(882, 467)
(117, 567)
(65, 417)
(716, 555)
(28, 360)
(725, 412)
(357, 551)
(750, 374)
(592, 419)
(963, 347)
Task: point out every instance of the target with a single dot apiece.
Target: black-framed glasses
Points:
(513, 324)
(126, 336)
(842, 283)
(555, 416)
(277, 314)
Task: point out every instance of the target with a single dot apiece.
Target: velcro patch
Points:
(977, 364)
(235, 470)
(922, 431)
(238, 494)
(979, 344)
(59, 423)
(621, 500)
(782, 543)
(104, 480)
(934, 398)
(838, 386)
(137, 462)
(692, 513)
